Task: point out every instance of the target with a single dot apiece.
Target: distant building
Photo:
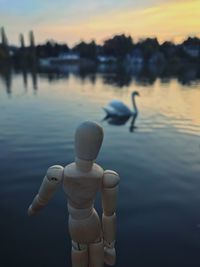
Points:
(67, 58)
(45, 62)
(135, 57)
(192, 50)
(106, 59)
(157, 58)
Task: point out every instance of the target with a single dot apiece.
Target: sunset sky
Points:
(74, 20)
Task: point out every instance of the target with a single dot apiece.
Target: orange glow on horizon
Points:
(174, 20)
(171, 21)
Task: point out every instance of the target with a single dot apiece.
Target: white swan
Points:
(119, 109)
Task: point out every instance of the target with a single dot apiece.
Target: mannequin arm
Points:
(50, 184)
(109, 202)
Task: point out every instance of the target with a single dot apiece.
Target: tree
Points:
(86, 50)
(31, 51)
(192, 41)
(21, 40)
(4, 39)
(118, 46)
(168, 49)
(4, 48)
(31, 39)
(51, 49)
(149, 46)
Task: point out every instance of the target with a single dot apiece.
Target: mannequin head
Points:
(88, 140)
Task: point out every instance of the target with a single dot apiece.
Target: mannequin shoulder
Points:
(110, 179)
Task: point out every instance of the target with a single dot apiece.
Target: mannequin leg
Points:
(79, 255)
(96, 254)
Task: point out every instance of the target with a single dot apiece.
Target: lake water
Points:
(158, 159)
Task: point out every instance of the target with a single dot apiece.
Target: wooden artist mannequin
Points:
(93, 242)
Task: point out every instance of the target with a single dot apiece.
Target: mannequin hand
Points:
(31, 211)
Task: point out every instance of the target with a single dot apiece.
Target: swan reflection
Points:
(119, 121)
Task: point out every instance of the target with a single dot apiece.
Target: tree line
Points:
(119, 46)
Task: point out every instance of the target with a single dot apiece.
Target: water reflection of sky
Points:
(164, 102)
